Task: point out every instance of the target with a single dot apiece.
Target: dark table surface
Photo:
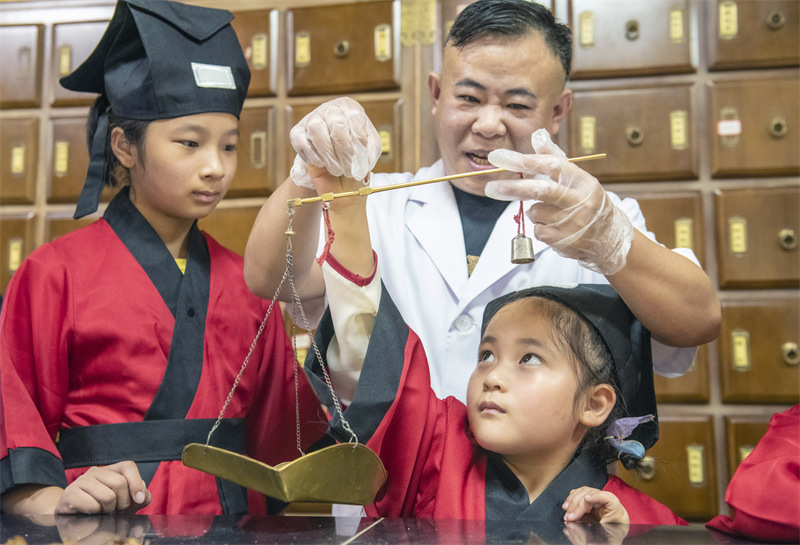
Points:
(155, 529)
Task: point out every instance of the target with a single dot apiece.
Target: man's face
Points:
(493, 94)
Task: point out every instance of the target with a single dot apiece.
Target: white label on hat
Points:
(213, 76)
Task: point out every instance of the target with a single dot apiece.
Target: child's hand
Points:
(587, 504)
(117, 488)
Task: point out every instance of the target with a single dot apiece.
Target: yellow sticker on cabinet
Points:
(302, 49)
(740, 345)
(683, 233)
(61, 165)
(694, 456)
(260, 44)
(18, 160)
(14, 254)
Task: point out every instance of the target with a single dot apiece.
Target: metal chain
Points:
(288, 274)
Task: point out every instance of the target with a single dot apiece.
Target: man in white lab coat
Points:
(444, 248)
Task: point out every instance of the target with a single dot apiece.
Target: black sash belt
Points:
(152, 441)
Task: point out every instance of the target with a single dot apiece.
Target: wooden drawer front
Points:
(21, 66)
(675, 218)
(69, 162)
(72, 44)
(230, 226)
(647, 133)
(758, 352)
(384, 114)
(16, 242)
(757, 237)
(59, 223)
(741, 436)
(753, 34)
(617, 38)
(754, 127)
(691, 387)
(329, 54)
(255, 169)
(258, 36)
(19, 145)
(684, 476)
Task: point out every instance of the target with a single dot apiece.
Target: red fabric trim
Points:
(348, 274)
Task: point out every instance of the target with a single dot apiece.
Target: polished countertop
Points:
(223, 530)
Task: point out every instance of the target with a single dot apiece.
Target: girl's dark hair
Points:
(593, 366)
(116, 174)
(513, 19)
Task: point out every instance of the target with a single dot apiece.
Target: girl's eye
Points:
(531, 359)
(486, 356)
(189, 143)
(231, 147)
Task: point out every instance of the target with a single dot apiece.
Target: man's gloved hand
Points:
(574, 215)
(337, 136)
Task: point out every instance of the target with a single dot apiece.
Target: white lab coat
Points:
(418, 237)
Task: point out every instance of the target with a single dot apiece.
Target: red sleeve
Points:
(642, 509)
(33, 372)
(764, 492)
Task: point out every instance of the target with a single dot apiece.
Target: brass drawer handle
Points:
(776, 20)
(787, 239)
(341, 49)
(632, 30)
(777, 127)
(634, 136)
(791, 355)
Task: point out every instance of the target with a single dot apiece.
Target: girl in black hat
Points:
(119, 342)
(562, 385)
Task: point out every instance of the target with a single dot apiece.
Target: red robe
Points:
(435, 470)
(764, 492)
(85, 339)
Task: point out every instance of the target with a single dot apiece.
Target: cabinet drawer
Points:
(759, 360)
(21, 66)
(757, 237)
(16, 242)
(753, 34)
(255, 171)
(691, 387)
(617, 38)
(72, 44)
(19, 155)
(647, 133)
(754, 126)
(676, 218)
(684, 474)
(258, 36)
(742, 433)
(328, 54)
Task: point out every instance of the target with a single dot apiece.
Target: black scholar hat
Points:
(625, 338)
(159, 59)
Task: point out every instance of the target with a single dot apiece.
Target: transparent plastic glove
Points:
(574, 214)
(337, 136)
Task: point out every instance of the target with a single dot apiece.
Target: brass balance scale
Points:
(345, 473)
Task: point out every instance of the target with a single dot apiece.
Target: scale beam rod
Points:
(362, 191)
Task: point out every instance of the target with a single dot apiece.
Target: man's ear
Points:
(125, 151)
(435, 87)
(561, 109)
(598, 404)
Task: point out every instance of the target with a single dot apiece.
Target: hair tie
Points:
(622, 428)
